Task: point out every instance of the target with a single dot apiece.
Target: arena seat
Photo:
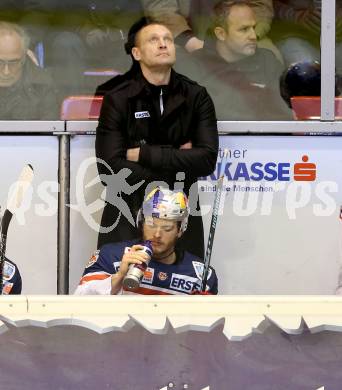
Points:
(83, 107)
(309, 107)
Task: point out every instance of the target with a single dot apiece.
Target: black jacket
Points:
(189, 115)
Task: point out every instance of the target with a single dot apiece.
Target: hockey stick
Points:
(13, 203)
(213, 223)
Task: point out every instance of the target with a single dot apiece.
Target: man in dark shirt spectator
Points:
(189, 20)
(242, 79)
(26, 91)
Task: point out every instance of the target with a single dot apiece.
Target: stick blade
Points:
(19, 189)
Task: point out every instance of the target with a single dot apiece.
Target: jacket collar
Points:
(141, 87)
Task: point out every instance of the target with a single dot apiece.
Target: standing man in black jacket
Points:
(159, 125)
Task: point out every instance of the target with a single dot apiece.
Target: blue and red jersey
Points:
(11, 279)
(182, 277)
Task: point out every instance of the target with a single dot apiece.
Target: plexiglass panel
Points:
(238, 50)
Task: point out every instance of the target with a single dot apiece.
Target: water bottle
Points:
(136, 272)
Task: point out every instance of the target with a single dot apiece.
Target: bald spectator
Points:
(26, 91)
(242, 79)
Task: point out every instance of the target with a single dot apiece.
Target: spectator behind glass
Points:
(26, 91)
(190, 20)
(242, 79)
(23, 13)
(29, 15)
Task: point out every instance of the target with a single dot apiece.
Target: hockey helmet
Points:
(166, 204)
(301, 79)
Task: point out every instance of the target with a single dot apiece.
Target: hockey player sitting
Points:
(154, 264)
(11, 279)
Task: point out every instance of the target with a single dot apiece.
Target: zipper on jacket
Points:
(161, 103)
